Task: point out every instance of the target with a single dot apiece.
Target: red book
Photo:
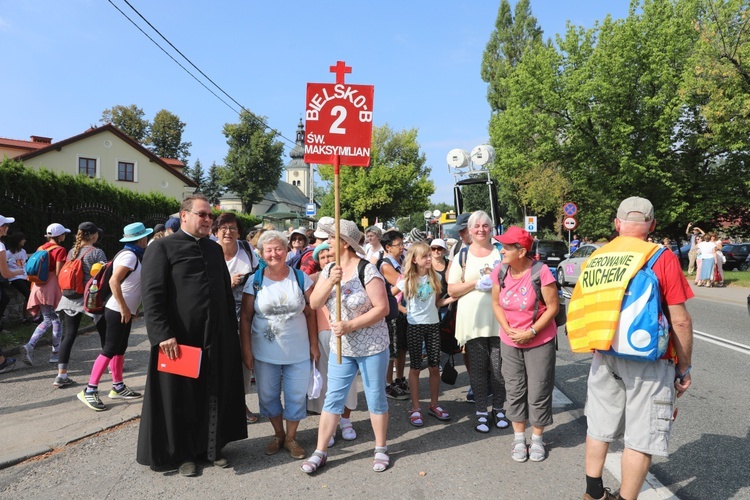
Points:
(187, 365)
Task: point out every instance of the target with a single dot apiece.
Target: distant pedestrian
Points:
(693, 232)
(71, 308)
(119, 312)
(16, 257)
(44, 298)
(6, 364)
(187, 301)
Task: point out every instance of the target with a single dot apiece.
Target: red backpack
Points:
(71, 277)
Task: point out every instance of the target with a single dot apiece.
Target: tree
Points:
(253, 165)
(212, 187)
(129, 119)
(512, 37)
(196, 174)
(165, 139)
(396, 183)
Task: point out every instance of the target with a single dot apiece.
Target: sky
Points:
(65, 62)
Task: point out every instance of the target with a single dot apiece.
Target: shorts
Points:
(633, 400)
(397, 335)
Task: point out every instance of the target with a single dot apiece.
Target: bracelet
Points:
(533, 332)
(681, 377)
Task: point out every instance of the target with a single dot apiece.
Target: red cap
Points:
(515, 234)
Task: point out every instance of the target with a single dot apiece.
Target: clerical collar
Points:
(196, 237)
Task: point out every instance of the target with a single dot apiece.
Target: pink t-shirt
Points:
(517, 297)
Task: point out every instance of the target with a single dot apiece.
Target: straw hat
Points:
(349, 232)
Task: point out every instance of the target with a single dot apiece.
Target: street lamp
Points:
(469, 168)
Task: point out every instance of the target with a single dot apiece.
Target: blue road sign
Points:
(310, 210)
(570, 209)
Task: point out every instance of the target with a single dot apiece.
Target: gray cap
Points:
(635, 209)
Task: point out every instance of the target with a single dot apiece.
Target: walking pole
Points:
(337, 216)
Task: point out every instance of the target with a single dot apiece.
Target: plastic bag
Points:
(315, 384)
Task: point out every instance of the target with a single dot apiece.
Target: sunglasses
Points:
(436, 248)
(203, 215)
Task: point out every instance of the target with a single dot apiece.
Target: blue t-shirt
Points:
(420, 309)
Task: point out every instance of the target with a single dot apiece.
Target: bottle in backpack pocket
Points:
(93, 291)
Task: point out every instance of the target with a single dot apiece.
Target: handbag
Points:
(448, 342)
(315, 384)
(449, 374)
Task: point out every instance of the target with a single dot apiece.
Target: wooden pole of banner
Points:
(337, 216)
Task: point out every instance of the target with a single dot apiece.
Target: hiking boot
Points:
(91, 399)
(124, 393)
(394, 391)
(7, 365)
(63, 382)
(27, 354)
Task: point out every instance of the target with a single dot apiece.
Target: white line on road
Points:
(735, 346)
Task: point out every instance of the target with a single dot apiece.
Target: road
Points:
(440, 460)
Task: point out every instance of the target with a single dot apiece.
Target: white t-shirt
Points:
(279, 329)
(706, 249)
(13, 263)
(474, 316)
(130, 286)
(420, 309)
(370, 252)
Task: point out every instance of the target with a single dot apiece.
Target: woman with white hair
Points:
(278, 336)
(364, 343)
(374, 250)
(476, 326)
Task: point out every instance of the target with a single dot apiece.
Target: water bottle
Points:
(93, 292)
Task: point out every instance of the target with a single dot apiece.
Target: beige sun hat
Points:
(349, 232)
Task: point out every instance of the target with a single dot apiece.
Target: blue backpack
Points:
(643, 329)
(258, 280)
(37, 266)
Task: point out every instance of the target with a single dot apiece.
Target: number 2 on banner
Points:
(341, 112)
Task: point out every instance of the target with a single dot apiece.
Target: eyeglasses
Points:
(203, 215)
(396, 244)
(228, 229)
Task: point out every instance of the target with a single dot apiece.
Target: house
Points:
(12, 148)
(107, 153)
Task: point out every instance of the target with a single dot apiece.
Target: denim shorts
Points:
(341, 377)
(270, 378)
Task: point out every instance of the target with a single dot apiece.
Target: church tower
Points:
(297, 171)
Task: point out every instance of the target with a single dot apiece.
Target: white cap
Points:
(6, 220)
(437, 242)
(54, 230)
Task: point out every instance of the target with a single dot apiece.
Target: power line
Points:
(252, 115)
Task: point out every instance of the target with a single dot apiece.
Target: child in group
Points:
(420, 285)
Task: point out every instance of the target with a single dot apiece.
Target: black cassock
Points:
(187, 295)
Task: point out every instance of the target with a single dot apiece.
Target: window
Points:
(87, 166)
(125, 171)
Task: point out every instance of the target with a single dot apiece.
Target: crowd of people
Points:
(282, 308)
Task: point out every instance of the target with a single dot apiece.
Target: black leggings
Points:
(117, 334)
(70, 332)
(429, 335)
(484, 357)
(23, 287)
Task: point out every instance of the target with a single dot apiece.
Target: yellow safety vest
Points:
(594, 308)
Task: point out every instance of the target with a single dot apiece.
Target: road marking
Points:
(735, 346)
(560, 400)
(652, 488)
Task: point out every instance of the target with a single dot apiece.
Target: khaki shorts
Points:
(633, 400)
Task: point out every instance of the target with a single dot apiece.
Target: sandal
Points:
(381, 461)
(415, 417)
(347, 432)
(482, 423)
(500, 421)
(537, 451)
(315, 462)
(250, 417)
(437, 412)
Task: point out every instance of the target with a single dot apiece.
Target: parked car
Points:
(736, 255)
(569, 270)
(682, 254)
(551, 252)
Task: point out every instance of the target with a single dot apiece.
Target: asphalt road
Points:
(78, 453)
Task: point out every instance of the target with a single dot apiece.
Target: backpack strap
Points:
(463, 255)
(245, 245)
(300, 278)
(298, 275)
(361, 265)
(652, 260)
(536, 282)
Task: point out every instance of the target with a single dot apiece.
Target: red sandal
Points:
(415, 417)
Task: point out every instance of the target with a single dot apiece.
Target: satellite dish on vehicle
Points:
(481, 155)
(458, 158)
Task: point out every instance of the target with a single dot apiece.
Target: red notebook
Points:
(187, 365)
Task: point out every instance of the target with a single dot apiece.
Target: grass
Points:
(21, 333)
(735, 278)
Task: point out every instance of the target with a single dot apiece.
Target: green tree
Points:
(196, 173)
(512, 37)
(165, 139)
(253, 165)
(213, 187)
(129, 119)
(396, 183)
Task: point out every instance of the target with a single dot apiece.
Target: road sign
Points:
(570, 209)
(338, 120)
(310, 210)
(570, 223)
(531, 223)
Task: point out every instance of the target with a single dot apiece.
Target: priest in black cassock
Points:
(187, 299)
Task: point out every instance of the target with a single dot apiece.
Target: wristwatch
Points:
(533, 334)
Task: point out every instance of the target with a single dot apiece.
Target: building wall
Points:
(12, 152)
(300, 178)
(108, 150)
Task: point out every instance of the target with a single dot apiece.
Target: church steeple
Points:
(297, 171)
